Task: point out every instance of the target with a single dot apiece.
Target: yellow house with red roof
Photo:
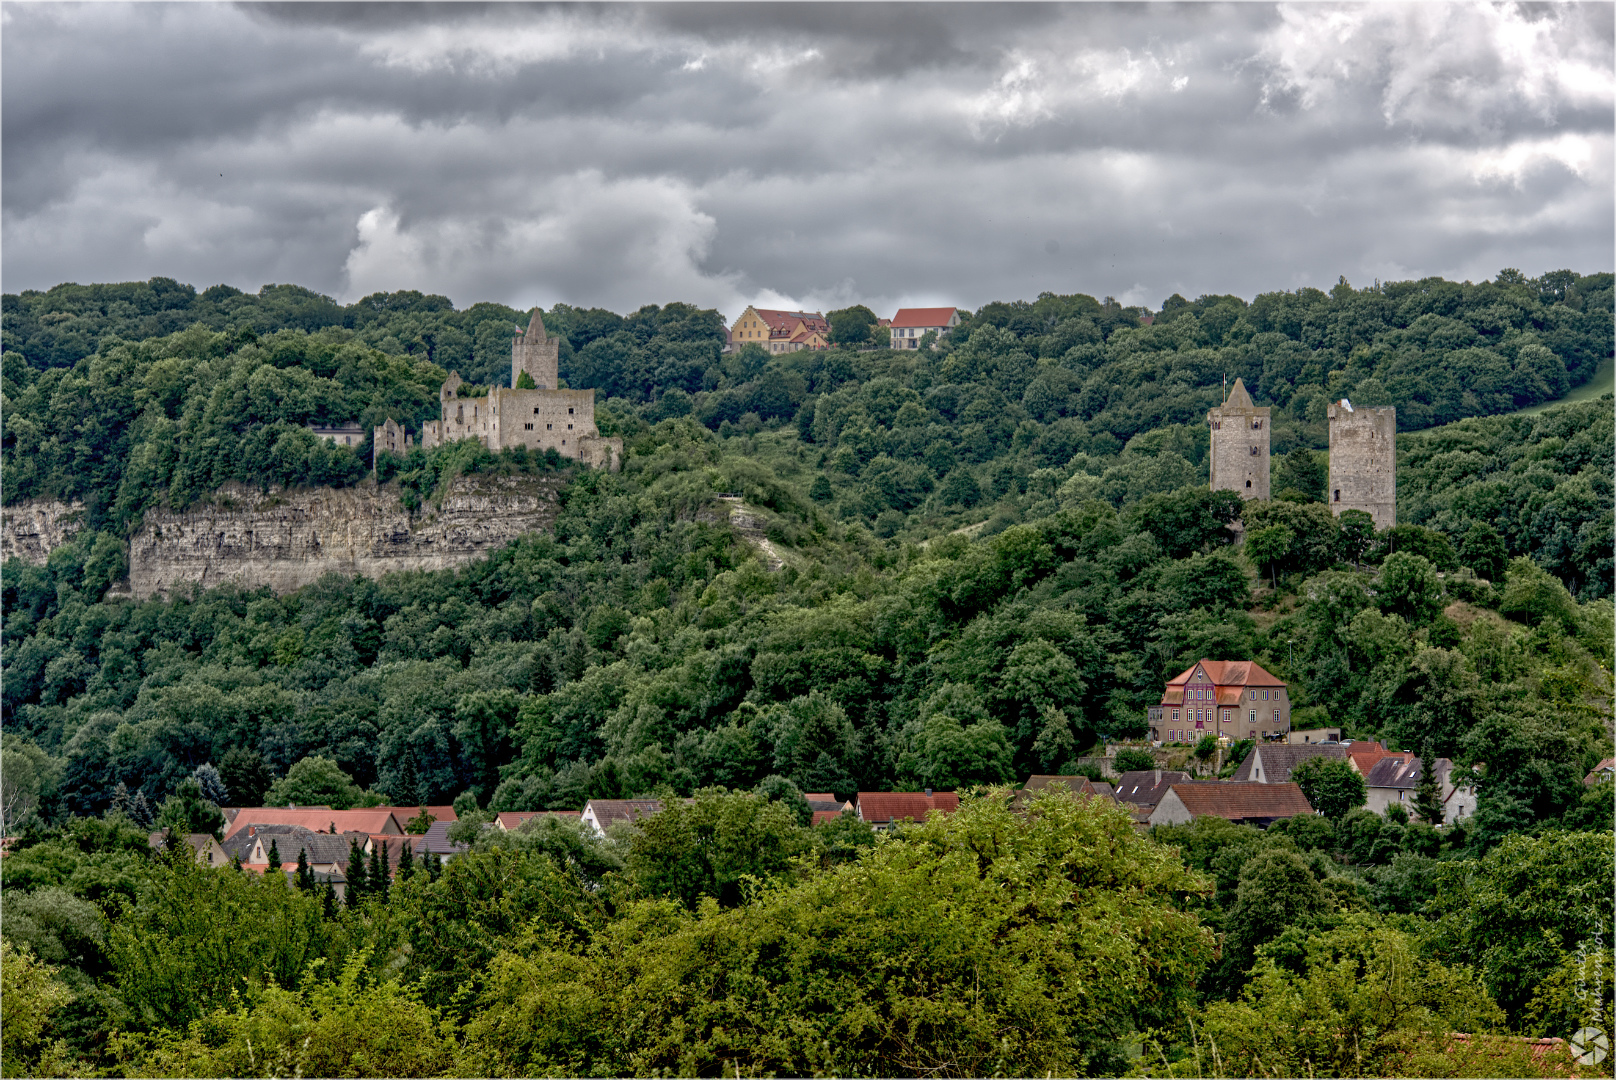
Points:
(1236, 698)
(780, 331)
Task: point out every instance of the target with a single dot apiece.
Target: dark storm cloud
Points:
(815, 154)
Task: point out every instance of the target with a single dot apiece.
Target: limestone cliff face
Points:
(36, 527)
(288, 539)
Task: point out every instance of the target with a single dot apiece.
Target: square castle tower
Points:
(1240, 445)
(1363, 461)
(541, 418)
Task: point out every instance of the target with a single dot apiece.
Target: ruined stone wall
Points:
(1363, 461)
(288, 539)
(1240, 441)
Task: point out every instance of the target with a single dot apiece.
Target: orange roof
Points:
(885, 807)
(375, 820)
(1238, 801)
(1365, 755)
(822, 816)
(513, 819)
(923, 316)
(1229, 673)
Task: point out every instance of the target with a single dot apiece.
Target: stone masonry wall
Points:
(1239, 450)
(1363, 462)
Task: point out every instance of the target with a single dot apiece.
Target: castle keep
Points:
(540, 418)
(1240, 445)
(1363, 461)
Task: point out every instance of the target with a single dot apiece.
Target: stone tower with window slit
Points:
(1363, 461)
(1240, 445)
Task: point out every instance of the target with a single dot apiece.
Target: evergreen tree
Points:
(305, 876)
(376, 876)
(328, 901)
(1428, 795)
(384, 883)
(274, 856)
(406, 858)
(356, 875)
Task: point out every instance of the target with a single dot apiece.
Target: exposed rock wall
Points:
(35, 527)
(287, 539)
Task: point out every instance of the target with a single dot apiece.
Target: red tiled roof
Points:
(1239, 801)
(375, 820)
(923, 316)
(1364, 755)
(822, 816)
(512, 819)
(885, 807)
(779, 322)
(1603, 769)
(1229, 673)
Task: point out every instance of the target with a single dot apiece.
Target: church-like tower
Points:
(536, 353)
(1240, 445)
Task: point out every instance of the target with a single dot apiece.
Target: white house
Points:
(909, 325)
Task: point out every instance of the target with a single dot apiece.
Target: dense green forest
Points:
(995, 553)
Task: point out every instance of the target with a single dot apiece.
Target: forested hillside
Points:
(995, 553)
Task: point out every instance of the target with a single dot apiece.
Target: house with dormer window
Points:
(1236, 698)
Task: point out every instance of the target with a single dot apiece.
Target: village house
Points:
(780, 331)
(1271, 763)
(209, 852)
(1243, 803)
(1601, 772)
(375, 820)
(884, 809)
(435, 843)
(909, 325)
(1395, 781)
(827, 807)
(511, 820)
(1077, 785)
(602, 814)
(324, 851)
(1236, 698)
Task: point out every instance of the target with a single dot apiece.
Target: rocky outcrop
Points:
(748, 524)
(35, 527)
(288, 539)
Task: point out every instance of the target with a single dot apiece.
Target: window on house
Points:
(1276, 716)
(569, 427)
(547, 427)
(527, 427)
(569, 412)
(1253, 716)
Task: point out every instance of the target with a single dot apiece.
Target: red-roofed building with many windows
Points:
(1236, 698)
(911, 324)
(780, 331)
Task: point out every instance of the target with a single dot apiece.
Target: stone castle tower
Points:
(541, 419)
(1363, 461)
(1240, 445)
(536, 353)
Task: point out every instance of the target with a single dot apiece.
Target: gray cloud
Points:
(814, 154)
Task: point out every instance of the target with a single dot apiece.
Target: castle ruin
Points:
(1363, 461)
(1240, 445)
(541, 417)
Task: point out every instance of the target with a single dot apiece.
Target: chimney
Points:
(928, 793)
(1158, 777)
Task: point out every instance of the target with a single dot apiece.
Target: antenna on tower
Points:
(1226, 388)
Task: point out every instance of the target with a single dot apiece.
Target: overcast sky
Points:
(813, 155)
